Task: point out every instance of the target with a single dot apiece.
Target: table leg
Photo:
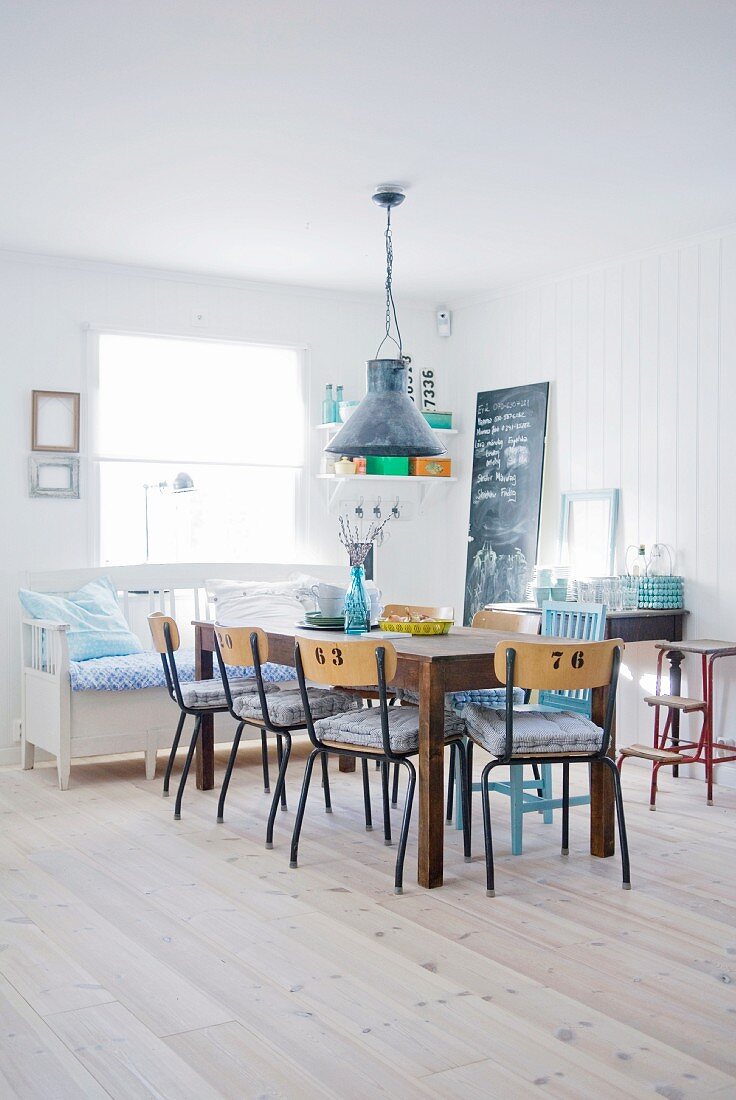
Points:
(346, 763)
(204, 760)
(602, 808)
(431, 774)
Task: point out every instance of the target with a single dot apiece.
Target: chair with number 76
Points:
(515, 737)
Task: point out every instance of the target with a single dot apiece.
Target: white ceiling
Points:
(244, 137)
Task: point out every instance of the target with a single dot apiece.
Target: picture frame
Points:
(588, 528)
(55, 421)
(55, 478)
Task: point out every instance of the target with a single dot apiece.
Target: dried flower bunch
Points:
(357, 545)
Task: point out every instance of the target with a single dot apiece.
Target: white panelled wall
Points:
(44, 307)
(642, 358)
(641, 354)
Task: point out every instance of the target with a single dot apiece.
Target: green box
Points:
(437, 419)
(392, 465)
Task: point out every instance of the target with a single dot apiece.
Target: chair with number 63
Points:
(387, 734)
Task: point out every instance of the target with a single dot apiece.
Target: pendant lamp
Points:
(387, 422)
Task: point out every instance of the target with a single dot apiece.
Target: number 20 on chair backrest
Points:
(343, 663)
(234, 643)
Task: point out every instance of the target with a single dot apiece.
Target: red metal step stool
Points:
(669, 749)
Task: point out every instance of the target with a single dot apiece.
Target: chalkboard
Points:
(505, 495)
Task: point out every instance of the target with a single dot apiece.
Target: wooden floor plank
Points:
(187, 947)
(34, 1063)
(128, 1060)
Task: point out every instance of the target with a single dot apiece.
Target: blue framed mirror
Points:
(588, 527)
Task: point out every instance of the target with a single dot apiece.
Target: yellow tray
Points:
(438, 626)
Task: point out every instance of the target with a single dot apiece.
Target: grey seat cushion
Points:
(363, 729)
(534, 731)
(211, 693)
(285, 709)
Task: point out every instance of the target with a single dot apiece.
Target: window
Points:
(200, 450)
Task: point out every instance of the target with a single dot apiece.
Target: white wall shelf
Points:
(427, 485)
(335, 427)
(405, 479)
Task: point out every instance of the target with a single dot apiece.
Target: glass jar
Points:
(660, 561)
(357, 604)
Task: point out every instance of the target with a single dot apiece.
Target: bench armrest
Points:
(47, 624)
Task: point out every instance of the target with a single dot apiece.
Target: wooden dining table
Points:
(432, 666)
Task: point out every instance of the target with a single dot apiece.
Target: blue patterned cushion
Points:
(457, 701)
(144, 670)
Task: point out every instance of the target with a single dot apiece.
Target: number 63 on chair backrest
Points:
(343, 663)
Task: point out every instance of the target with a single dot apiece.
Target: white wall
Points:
(44, 306)
(642, 357)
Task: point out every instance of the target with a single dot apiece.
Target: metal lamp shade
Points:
(386, 422)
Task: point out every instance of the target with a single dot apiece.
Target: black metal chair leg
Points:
(280, 784)
(395, 787)
(386, 807)
(404, 835)
(451, 783)
(280, 757)
(623, 839)
(487, 832)
(565, 808)
(229, 771)
(367, 796)
(464, 798)
(264, 762)
(187, 766)
(538, 776)
(301, 807)
(172, 754)
(326, 784)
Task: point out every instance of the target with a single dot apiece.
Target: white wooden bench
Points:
(73, 724)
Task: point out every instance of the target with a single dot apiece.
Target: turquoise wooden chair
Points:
(586, 621)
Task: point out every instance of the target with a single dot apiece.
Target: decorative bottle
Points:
(338, 401)
(639, 566)
(357, 604)
(329, 415)
(659, 566)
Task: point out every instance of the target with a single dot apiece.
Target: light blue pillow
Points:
(97, 625)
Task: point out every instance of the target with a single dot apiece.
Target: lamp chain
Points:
(390, 305)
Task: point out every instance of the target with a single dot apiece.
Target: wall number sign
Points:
(422, 391)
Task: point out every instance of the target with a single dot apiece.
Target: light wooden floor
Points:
(140, 957)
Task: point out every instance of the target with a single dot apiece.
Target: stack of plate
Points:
(324, 622)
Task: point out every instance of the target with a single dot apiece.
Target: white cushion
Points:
(254, 603)
(534, 731)
(285, 709)
(211, 693)
(261, 603)
(364, 728)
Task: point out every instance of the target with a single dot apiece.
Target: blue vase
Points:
(357, 604)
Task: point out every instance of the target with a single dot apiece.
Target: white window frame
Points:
(92, 457)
